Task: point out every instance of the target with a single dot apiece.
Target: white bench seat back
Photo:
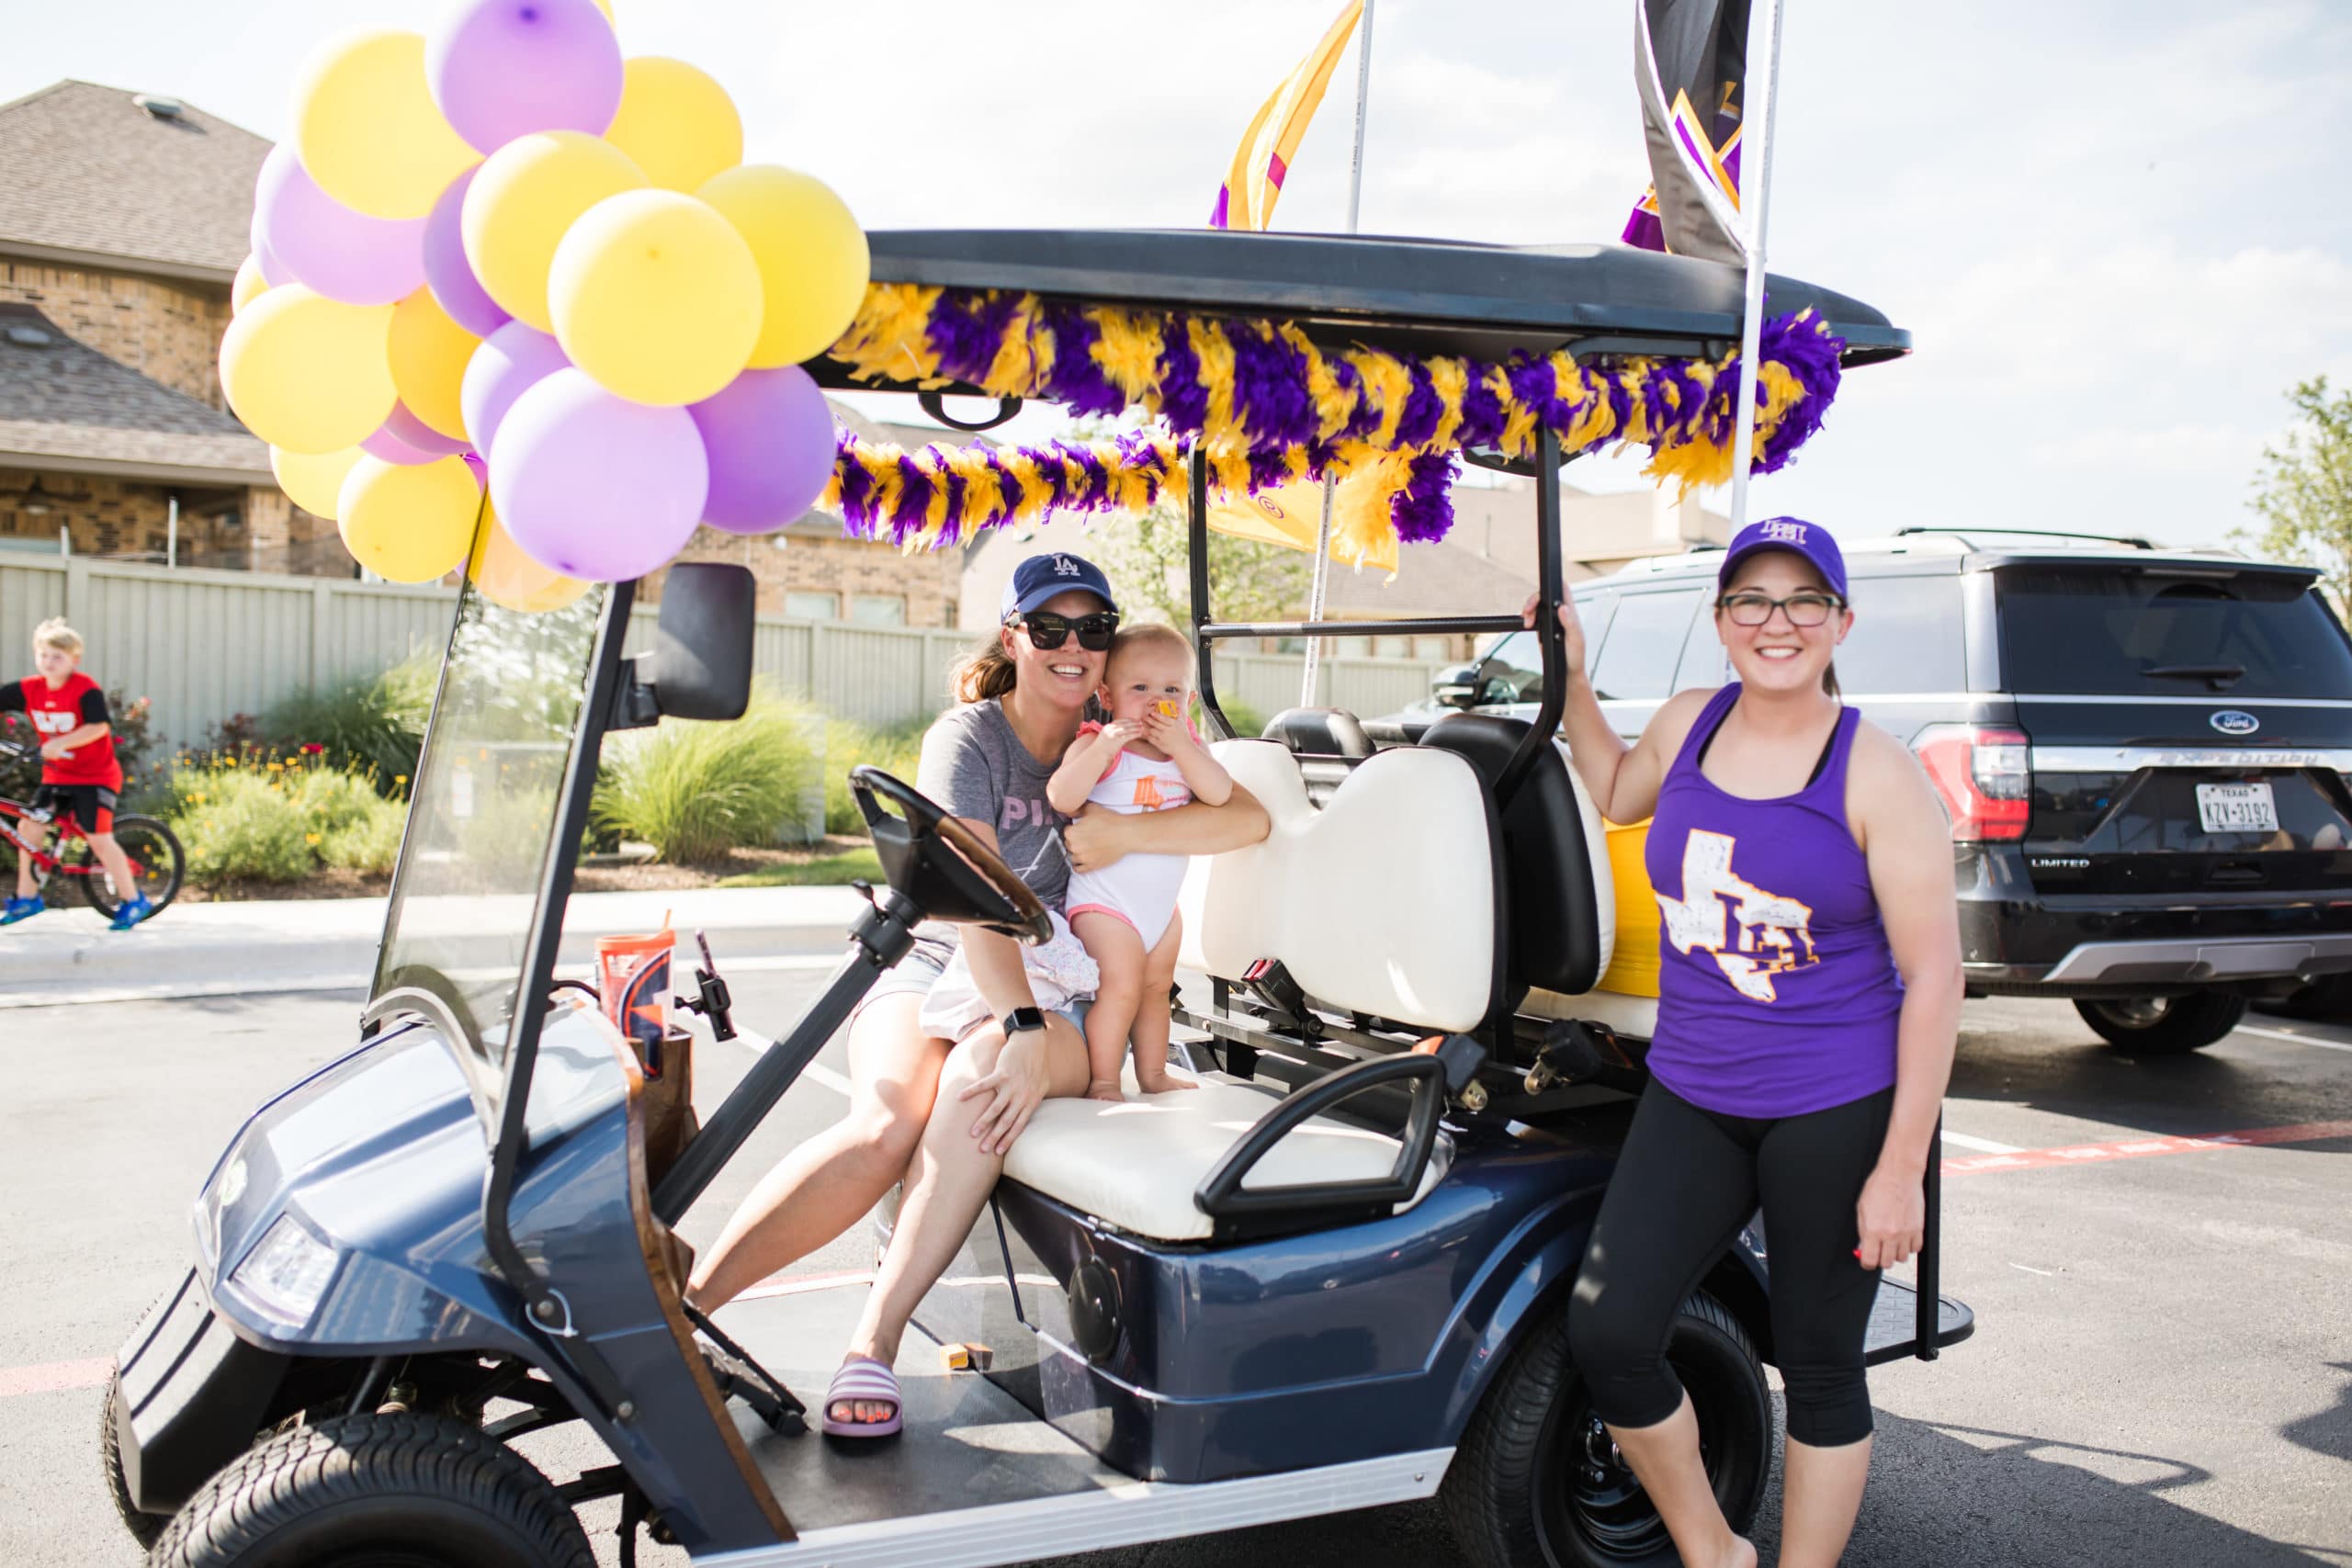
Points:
(1383, 902)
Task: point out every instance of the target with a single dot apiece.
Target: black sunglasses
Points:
(1048, 631)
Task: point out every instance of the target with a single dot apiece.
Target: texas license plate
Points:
(2237, 808)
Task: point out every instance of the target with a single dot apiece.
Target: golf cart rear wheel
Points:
(156, 857)
(401, 1490)
(2164, 1026)
(1537, 1484)
(144, 1527)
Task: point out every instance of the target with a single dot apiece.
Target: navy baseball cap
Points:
(1810, 541)
(1039, 578)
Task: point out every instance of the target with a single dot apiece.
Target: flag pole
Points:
(1319, 585)
(1761, 107)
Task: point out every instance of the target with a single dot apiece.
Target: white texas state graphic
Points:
(1774, 934)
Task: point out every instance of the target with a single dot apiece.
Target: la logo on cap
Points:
(1784, 531)
(1064, 567)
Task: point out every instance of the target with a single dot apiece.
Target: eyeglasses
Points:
(1048, 631)
(1803, 609)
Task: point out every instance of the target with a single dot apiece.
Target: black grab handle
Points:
(1222, 1197)
(1929, 1323)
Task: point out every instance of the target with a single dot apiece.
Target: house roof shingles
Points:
(65, 404)
(92, 174)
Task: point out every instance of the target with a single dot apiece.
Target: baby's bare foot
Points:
(1162, 1084)
(1107, 1092)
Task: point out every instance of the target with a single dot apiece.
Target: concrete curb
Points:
(208, 949)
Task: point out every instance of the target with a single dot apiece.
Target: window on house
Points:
(813, 606)
(1435, 649)
(1392, 648)
(878, 609)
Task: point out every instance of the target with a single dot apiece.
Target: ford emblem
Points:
(2235, 721)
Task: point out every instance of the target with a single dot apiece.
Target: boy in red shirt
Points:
(79, 773)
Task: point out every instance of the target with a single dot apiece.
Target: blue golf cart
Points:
(1333, 1277)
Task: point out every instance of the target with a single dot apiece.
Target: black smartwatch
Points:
(1032, 1019)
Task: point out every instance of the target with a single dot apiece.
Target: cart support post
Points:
(1549, 634)
(1197, 563)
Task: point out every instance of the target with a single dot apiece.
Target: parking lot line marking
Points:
(55, 1377)
(2282, 1034)
(1982, 1146)
(2140, 1148)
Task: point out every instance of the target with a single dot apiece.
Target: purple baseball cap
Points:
(1810, 541)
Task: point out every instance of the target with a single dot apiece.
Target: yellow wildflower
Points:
(310, 838)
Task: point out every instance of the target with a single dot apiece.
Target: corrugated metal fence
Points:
(205, 646)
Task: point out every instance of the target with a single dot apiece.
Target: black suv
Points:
(2145, 753)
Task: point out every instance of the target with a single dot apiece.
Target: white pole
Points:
(1319, 585)
(172, 530)
(1755, 198)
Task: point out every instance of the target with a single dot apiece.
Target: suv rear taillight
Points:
(1982, 776)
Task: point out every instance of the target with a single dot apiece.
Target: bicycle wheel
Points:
(156, 860)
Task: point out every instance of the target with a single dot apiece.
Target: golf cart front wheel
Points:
(156, 859)
(371, 1491)
(1537, 1483)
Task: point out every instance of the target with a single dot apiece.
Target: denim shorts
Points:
(916, 973)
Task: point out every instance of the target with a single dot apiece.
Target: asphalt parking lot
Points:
(2158, 1253)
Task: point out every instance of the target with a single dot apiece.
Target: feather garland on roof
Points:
(1268, 406)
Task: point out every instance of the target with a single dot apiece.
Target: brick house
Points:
(122, 220)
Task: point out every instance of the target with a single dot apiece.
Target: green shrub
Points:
(369, 844)
(1247, 722)
(243, 828)
(371, 726)
(895, 748)
(695, 791)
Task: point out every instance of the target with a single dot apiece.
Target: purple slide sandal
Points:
(871, 1382)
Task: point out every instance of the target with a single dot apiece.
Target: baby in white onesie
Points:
(1145, 759)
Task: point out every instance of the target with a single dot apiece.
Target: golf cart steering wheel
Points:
(937, 862)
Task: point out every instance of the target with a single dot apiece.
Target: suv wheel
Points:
(2163, 1026)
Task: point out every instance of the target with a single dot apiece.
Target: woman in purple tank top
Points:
(1809, 990)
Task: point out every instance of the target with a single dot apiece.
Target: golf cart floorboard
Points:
(964, 1442)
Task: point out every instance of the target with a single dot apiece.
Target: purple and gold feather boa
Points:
(1268, 406)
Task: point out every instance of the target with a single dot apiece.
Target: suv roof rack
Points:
(2134, 540)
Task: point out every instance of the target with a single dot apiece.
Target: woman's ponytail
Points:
(987, 672)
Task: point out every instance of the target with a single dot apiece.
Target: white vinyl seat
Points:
(1136, 1165)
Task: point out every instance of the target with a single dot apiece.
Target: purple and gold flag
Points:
(1689, 64)
(1263, 160)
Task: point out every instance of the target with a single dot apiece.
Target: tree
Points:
(2304, 491)
(1148, 558)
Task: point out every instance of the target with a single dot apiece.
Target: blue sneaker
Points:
(130, 911)
(20, 909)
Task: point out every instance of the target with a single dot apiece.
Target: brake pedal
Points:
(741, 1377)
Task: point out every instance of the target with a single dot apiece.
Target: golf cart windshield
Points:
(482, 821)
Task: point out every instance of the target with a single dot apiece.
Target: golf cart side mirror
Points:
(701, 663)
(1456, 687)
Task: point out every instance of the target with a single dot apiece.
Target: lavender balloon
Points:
(386, 443)
(501, 68)
(510, 361)
(325, 245)
(446, 271)
(405, 427)
(769, 437)
(595, 486)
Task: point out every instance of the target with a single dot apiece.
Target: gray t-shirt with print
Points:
(976, 767)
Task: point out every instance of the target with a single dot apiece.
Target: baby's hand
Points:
(1122, 732)
(1162, 1082)
(1165, 729)
(1105, 1090)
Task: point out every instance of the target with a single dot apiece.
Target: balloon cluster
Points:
(500, 256)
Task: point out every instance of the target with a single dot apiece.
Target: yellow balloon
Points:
(512, 580)
(814, 264)
(428, 354)
(367, 128)
(656, 296)
(409, 523)
(249, 286)
(606, 7)
(522, 200)
(678, 124)
(307, 373)
(314, 479)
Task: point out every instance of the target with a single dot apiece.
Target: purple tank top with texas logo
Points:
(1777, 992)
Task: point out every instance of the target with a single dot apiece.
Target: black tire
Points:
(1527, 1490)
(2164, 1026)
(2329, 997)
(402, 1490)
(153, 848)
(144, 1527)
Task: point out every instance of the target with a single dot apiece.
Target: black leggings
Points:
(1686, 1182)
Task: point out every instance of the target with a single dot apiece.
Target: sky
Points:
(2116, 229)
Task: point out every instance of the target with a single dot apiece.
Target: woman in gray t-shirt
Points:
(1022, 695)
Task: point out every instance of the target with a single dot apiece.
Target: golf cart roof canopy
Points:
(1412, 295)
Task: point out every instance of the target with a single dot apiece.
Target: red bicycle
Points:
(156, 859)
